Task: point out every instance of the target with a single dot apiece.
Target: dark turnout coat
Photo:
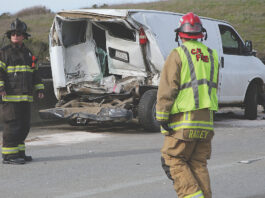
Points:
(18, 73)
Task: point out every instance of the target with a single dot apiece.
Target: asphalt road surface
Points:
(122, 161)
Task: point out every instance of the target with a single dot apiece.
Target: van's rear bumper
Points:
(105, 114)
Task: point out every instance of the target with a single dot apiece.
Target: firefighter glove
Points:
(165, 126)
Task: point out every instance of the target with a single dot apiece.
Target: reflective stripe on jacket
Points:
(18, 98)
(201, 120)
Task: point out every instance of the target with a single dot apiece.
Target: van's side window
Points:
(232, 44)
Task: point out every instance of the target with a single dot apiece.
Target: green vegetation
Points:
(247, 16)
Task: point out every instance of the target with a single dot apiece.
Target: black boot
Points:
(13, 159)
(27, 158)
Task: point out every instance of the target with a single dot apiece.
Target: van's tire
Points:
(147, 111)
(251, 102)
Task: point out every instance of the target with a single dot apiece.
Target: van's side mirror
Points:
(248, 45)
(249, 49)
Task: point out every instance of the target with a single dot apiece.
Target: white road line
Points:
(249, 161)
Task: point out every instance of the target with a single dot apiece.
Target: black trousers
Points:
(16, 122)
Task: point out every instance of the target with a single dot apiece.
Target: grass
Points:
(247, 16)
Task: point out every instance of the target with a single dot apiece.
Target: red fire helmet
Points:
(190, 26)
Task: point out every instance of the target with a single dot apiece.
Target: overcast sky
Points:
(13, 6)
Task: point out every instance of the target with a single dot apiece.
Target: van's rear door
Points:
(124, 51)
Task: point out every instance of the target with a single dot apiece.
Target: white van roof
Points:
(104, 12)
(123, 13)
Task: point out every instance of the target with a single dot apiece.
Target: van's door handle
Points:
(222, 62)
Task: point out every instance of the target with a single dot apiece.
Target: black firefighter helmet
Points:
(18, 26)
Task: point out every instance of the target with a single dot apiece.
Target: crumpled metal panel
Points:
(108, 114)
(104, 114)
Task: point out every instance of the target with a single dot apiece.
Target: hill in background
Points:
(246, 16)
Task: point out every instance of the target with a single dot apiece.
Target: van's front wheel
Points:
(147, 111)
(251, 102)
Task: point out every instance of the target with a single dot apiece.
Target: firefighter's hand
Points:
(165, 126)
(41, 95)
(2, 93)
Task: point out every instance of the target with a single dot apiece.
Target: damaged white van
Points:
(106, 64)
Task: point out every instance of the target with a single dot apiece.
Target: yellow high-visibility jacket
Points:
(187, 92)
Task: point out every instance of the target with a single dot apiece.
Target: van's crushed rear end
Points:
(102, 61)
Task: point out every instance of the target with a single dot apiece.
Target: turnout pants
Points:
(16, 122)
(185, 163)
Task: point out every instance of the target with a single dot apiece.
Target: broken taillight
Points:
(142, 37)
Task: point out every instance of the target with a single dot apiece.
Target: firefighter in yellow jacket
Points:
(186, 99)
(18, 78)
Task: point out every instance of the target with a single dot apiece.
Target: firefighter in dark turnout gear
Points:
(18, 79)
